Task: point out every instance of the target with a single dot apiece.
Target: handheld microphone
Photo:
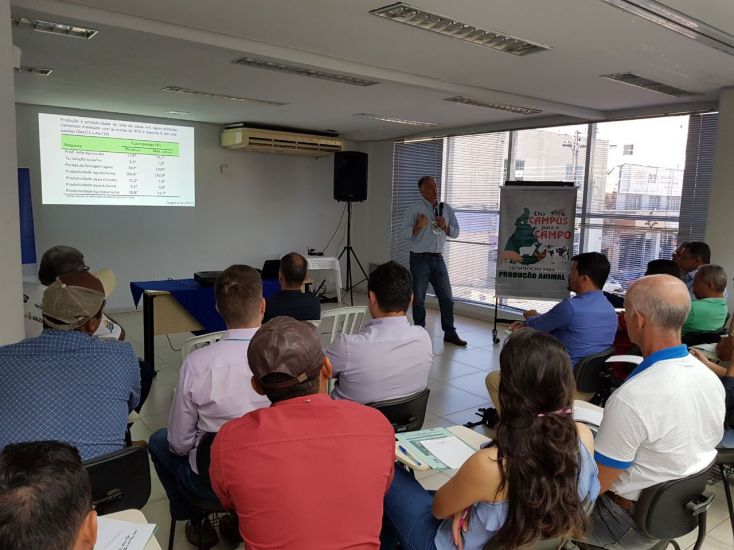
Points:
(440, 209)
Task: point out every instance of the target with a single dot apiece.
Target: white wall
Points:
(11, 289)
(379, 204)
(261, 207)
(720, 228)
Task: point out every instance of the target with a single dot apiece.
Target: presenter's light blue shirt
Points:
(426, 240)
(585, 324)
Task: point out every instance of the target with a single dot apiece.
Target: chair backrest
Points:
(698, 338)
(196, 342)
(346, 320)
(204, 457)
(406, 414)
(670, 509)
(588, 371)
(120, 480)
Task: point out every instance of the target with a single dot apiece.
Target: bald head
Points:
(662, 300)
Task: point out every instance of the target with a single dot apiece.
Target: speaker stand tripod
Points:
(350, 252)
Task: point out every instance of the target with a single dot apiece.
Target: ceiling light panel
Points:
(652, 85)
(51, 27)
(395, 120)
(39, 71)
(676, 21)
(179, 90)
(302, 71)
(415, 17)
(496, 106)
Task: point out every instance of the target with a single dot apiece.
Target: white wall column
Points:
(720, 226)
(11, 288)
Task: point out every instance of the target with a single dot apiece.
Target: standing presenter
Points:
(426, 225)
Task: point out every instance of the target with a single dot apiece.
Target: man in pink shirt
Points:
(308, 472)
(213, 388)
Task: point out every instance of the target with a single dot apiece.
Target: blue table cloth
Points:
(198, 300)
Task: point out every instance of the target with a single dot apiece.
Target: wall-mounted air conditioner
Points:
(276, 141)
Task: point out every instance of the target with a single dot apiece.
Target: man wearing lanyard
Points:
(426, 225)
(213, 388)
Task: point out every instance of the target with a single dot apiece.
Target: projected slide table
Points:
(101, 161)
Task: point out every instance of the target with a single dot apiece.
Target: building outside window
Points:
(627, 208)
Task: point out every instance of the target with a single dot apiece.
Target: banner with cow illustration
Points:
(535, 240)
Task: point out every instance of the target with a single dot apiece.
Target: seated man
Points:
(65, 384)
(709, 309)
(308, 471)
(622, 343)
(291, 301)
(213, 387)
(56, 261)
(689, 257)
(388, 358)
(45, 498)
(663, 423)
(662, 266)
(585, 324)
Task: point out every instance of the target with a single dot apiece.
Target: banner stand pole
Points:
(495, 340)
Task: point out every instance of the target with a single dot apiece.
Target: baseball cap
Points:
(285, 346)
(72, 300)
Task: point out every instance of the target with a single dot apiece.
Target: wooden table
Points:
(162, 314)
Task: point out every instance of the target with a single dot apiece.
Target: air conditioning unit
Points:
(276, 141)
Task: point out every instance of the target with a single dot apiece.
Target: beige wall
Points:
(11, 289)
(720, 227)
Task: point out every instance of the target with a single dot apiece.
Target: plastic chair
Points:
(196, 342)
(120, 480)
(203, 461)
(346, 320)
(406, 414)
(675, 508)
(672, 509)
(588, 372)
(725, 457)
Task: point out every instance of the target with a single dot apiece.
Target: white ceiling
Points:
(144, 45)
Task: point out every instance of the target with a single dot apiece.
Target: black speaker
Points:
(350, 176)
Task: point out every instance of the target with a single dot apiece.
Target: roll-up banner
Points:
(535, 239)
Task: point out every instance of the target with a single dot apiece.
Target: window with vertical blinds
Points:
(635, 186)
(699, 169)
(473, 172)
(411, 161)
(645, 185)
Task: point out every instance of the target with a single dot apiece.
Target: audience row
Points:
(300, 468)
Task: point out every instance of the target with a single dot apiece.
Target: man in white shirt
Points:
(213, 388)
(663, 423)
(389, 358)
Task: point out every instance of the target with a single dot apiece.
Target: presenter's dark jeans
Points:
(170, 468)
(430, 268)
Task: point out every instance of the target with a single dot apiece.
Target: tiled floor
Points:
(457, 389)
